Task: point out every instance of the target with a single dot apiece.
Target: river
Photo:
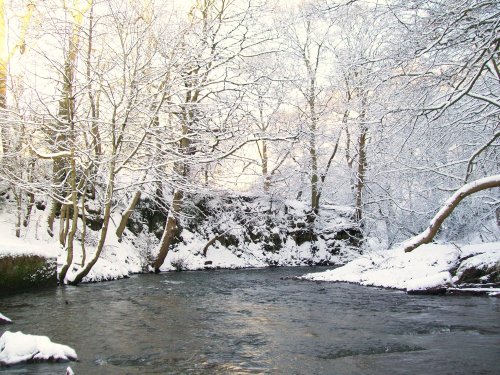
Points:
(256, 321)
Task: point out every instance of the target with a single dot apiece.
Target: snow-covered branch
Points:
(427, 235)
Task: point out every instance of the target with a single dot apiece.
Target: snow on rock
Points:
(434, 282)
(4, 319)
(17, 347)
(482, 264)
(426, 268)
(247, 235)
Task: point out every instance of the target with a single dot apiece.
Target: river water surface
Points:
(256, 321)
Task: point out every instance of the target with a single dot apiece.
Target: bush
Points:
(179, 263)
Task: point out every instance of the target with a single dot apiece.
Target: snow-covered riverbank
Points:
(222, 239)
(257, 243)
(426, 269)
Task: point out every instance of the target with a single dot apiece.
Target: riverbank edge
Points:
(433, 269)
(457, 290)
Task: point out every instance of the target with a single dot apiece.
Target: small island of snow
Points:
(17, 347)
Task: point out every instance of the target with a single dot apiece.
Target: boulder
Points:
(479, 269)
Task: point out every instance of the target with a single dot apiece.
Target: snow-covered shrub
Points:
(179, 263)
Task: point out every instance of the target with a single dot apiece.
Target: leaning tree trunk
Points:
(427, 235)
(170, 229)
(127, 213)
(129, 210)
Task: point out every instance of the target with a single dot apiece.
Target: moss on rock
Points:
(26, 272)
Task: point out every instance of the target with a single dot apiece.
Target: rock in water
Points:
(4, 319)
(16, 347)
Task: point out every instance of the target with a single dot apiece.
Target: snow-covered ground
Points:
(117, 260)
(32, 242)
(256, 225)
(427, 267)
(17, 347)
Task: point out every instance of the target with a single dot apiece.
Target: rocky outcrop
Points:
(278, 232)
(473, 272)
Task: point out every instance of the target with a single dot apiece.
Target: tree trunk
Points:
(66, 113)
(71, 234)
(314, 161)
(265, 168)
(127, 213)
(445, 211)
(210, 243)
(62, 225)
(84, 231)
(105, 226)
(54, 204)
(19, 205)
(3, 74)
(169, 230)
(361, 174)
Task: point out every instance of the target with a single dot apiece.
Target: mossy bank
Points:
(22, 272)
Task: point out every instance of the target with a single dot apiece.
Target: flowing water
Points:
(256, 321)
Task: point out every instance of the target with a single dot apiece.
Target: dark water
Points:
(252, 321)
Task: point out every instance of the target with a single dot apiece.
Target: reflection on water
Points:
(257, 321)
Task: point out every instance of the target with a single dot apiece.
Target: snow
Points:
(17, 347)
(445, 210)
(33, 243)
(428, 266)
(122, 258)
(117, 260)
(430, 282)
(3, 318)
(487, 259)
(254, 254)
(247, 255)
